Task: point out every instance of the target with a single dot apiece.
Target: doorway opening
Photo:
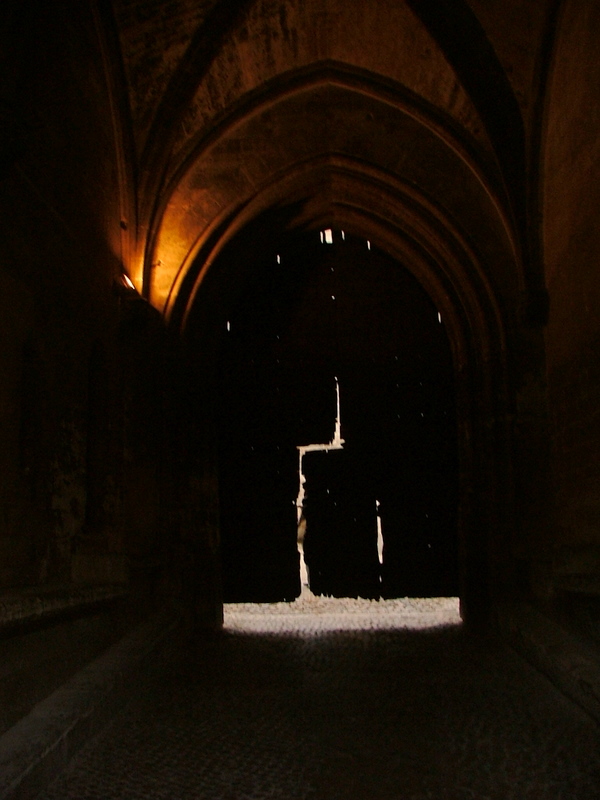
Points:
(336, 443)
(372, 514)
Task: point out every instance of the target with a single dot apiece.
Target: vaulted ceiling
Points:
(413, 122)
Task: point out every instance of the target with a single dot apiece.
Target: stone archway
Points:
(414, 188)
(476, 341)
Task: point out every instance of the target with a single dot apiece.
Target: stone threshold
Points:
(35, 750)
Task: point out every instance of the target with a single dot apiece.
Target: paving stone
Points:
(329, 699)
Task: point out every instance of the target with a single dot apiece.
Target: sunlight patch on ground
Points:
(313, 614)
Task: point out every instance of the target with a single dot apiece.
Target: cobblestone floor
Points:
(343, 700)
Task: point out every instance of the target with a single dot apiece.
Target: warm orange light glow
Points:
(135, 272)
(171, 257)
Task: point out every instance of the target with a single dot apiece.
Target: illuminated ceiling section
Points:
(296, 84)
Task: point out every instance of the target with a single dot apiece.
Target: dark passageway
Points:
(299, 303)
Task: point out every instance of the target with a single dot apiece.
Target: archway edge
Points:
(222, 171)
(347, 194)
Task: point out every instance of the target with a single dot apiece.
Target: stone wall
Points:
(63, 376)
(572, 241)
